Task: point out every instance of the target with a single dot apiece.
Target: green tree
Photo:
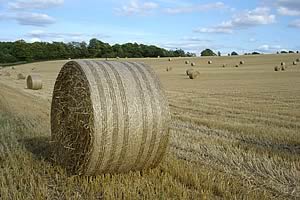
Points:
(208, 52)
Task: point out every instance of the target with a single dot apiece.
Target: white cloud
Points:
(295, 23)
(34, 19)
(265, 48)
(288, 7)
(61, 36)
(196, 8)
(258, 16)
(26, 18)
(136, 7)
(34, 4)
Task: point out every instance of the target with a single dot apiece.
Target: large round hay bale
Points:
(169, 69)
(236, 66)
(34, 82)
(20, 76)
(108, 117)
(297, 60)
(193, 64)
(209, 62)
(158, 56)
(187, 62)
(282, 63)
(242, 62)
(194, 75)
(224, 65)
(283, 68)
(276, 68)
(188, 71)
(295, 63)
(170, 59)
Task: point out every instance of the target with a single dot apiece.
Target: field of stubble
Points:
(235, 134)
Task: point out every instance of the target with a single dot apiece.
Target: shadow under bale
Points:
(40, 147)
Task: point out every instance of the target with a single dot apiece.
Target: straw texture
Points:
(34, 82)
(194, 75)
(188, 71)
(108, 117)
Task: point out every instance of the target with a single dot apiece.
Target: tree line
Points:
(21, 51)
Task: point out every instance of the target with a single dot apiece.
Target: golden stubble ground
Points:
(235, 135)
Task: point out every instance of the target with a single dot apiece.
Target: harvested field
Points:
(234, 135)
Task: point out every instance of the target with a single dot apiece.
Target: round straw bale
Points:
(108, 117)
(169, 69)
(242, 62)
(188, 71)
(20, 76)
(283, 68)
(236, 65)
(282, 63)
(187, 62)
(158, 56)
(34, 82)
(209, 62)
(295, 63)
(224, 65)
(69, 58)
(117, 57)
(170, 59)
(276, 68)
(193, 64)
(194, 75)
(297, 60)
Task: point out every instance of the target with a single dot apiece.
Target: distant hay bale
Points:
(193, 64)
(20, 76)
(242, 62)
(117, 57)
(236, 66)
(13, 68)
(276, 69)
(282, 63)
(209, 62)
(188, 71)
(194, 75)
(158, 56)
(283, 68)
(224, 65)
(295, 63)
(297, 60)
(34, 82)
(108, 117)
(187, 62)
(169, 69)
(170, 59)
(69, 58)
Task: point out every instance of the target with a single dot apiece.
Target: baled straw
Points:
(194, 75)
(236, 65)
(297, 60)
(20, 76)
(193, 64)
(188, 71)
(187, 62)
(224, 65)
(108, 117)
(170, 59)
(209, 62)
(169, 69)
(295, 63)
(242, 62)
(34, 82)
(282, 63)
(276, 68)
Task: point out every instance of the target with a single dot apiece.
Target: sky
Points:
(266, 26)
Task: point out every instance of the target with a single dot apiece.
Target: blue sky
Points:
(266, 26)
